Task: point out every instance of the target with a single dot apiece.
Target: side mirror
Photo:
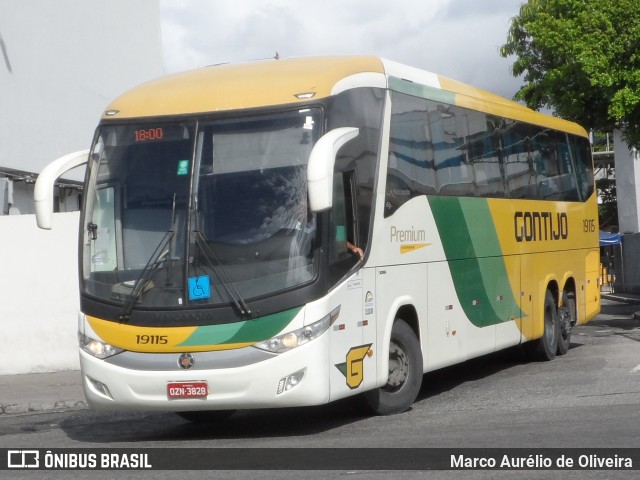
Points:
(320, 168)
(43, 193)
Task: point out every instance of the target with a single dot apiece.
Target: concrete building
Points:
(627, 166)
(61, 62)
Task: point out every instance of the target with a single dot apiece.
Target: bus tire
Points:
(206, 416)
(566, 320)
(405, 374)
(545, 348)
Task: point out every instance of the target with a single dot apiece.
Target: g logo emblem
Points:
(353, 368)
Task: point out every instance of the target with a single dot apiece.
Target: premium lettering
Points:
(540, 226)
(410, 235)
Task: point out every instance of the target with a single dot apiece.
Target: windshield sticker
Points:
(183, 167)
(368, 304)
(199, 287)
(308, 123)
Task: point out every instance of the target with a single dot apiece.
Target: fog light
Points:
(287, 383)
(100, 388)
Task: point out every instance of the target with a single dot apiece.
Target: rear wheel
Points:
(566, 320)
(545, 348)
(206, 416)
(405, 374)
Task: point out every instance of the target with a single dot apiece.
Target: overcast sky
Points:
(455, 38)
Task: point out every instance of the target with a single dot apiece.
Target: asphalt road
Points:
(589, 398)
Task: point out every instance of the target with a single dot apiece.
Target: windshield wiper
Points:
(157, 258)
(216, 265)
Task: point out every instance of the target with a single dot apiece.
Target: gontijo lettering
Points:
(540, 226)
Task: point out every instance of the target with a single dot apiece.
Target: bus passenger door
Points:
(348, 355)
(353, 333)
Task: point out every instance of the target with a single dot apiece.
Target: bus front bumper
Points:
(297, 377)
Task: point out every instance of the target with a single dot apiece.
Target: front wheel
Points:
(405, 374)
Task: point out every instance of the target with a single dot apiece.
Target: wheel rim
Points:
(550, 330)
(565, 323)
(568, 314)
(398, 368)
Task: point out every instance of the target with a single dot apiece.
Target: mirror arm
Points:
(321, 163)
(43, 192)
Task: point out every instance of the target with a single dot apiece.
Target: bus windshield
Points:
(200, 213)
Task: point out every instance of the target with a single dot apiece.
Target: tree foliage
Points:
(582, 59)
(608, 209)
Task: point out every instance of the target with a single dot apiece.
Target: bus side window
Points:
(581, 151)
(339, 225)
(343, 226)
(556, 179)
(103, 235)
(521, 155)
(410, 170)
(449, 133)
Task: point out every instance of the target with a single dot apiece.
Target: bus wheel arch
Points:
(408, 314)
(405, 368)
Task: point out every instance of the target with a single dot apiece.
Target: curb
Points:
(41, 407)
(41, 392)
(621, 298)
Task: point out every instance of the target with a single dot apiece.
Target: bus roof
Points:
(239, 86)
(288, 81)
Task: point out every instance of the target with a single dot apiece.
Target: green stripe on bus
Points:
(471, 245)
(422, 91)
(249, 331)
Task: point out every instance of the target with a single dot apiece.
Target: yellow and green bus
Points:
(296, 231)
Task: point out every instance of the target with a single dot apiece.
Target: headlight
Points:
(97, 348)
(303, 335)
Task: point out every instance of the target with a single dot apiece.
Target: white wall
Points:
(39, 299)
(627, 182)
(63, 61)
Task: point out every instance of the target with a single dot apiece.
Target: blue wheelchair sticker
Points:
(199, 287)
